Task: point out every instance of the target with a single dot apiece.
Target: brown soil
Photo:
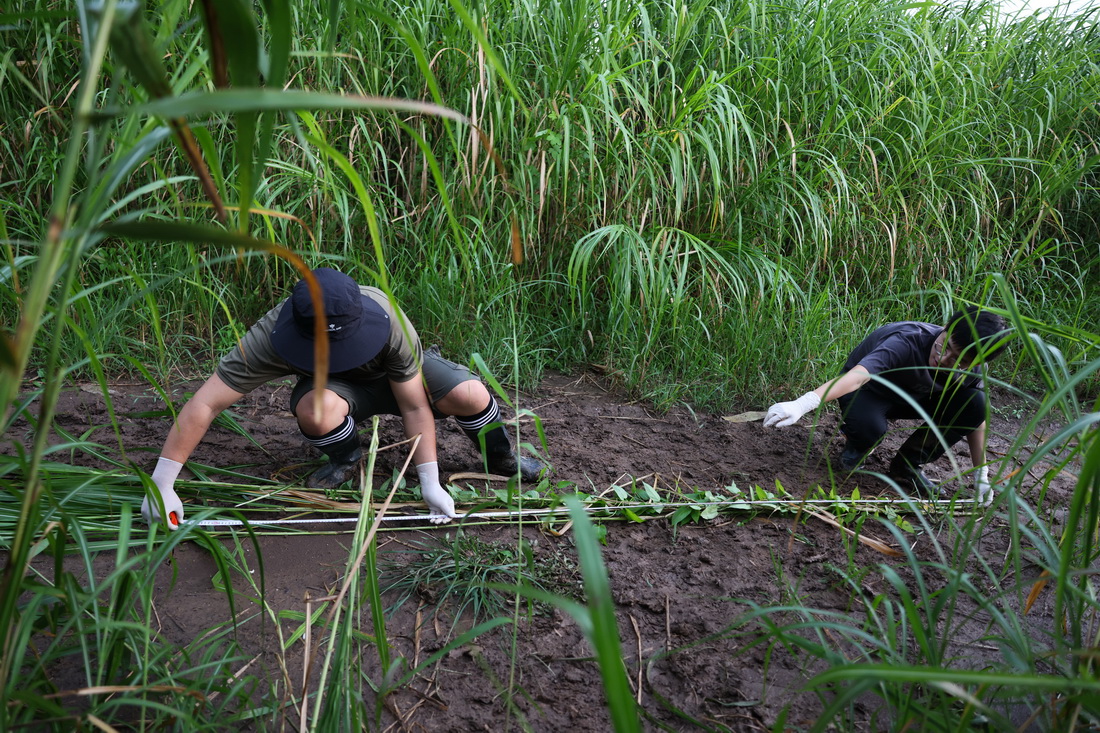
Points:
(677, 590)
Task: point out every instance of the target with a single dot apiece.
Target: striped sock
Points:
(496, 439)
(474, 423)
(338, 443)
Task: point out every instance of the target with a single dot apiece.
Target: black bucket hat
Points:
(357, 329)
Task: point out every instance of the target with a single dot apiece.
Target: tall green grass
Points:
(815, 161)
(710, 200)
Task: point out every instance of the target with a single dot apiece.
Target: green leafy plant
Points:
(461, 573)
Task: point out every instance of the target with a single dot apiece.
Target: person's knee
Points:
(864, 428)
(318, 420)
(972, 412)
(466, 398)
(864, 433)
(975, 408)
(863, 424)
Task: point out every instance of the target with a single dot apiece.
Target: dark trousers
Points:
(957, 412)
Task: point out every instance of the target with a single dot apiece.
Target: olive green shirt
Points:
(254, 361)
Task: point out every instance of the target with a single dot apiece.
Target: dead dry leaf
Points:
(476, 477)
(1036, 589)
(751, 416)
(874, 544)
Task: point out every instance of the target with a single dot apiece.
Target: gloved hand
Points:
(983, 489)
(439, 502)
(782, 414)
(164, 476)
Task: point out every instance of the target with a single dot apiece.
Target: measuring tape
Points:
(924, 503)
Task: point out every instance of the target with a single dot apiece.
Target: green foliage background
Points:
(713, 200)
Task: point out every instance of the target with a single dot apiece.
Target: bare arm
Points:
(417, 416)
(852, 380)
(196, 416)
(782, 414)
(976, 441)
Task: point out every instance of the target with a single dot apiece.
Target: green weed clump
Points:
(460, 574)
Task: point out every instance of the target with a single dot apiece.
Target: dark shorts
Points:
(375, 397)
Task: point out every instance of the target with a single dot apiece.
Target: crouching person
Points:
(376, 366)
(937, 368)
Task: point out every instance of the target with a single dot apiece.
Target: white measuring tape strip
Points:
(589, 509)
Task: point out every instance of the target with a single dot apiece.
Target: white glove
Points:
(983, 490)
(439, 502)
(782, 414)
(164, 476)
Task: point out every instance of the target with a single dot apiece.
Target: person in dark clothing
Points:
(375, 366)
(900, 367)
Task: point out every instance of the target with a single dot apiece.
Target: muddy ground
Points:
(677, 589)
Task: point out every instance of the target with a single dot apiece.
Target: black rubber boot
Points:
(336, 472)
(496, 444)
(912, 479)
(852, 457)
(509, 464)
(341, 445)
(920, 448)
(504, 460)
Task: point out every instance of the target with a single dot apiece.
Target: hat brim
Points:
(355, 347)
